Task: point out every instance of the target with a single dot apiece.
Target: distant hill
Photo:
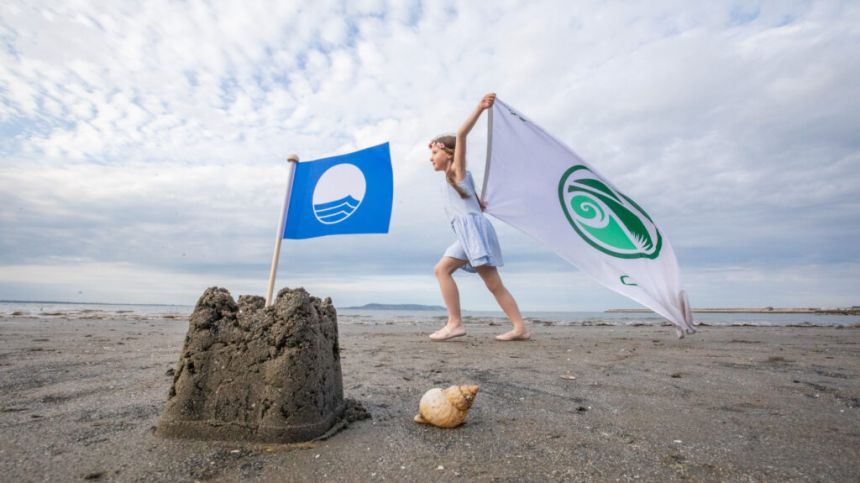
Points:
(396, 307)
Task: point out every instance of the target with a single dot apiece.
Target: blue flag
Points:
(341, 195)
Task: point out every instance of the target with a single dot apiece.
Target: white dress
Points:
(476, 243)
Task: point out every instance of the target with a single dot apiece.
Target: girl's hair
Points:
(446, 142)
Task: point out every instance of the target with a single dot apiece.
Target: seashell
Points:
(446, 408)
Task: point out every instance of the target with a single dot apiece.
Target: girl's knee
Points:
(447, 266)
(491, 279)
(441, 270)
(495, 286)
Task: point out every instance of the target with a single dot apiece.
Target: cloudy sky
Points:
(142, 144)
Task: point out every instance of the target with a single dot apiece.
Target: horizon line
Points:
(765, 308)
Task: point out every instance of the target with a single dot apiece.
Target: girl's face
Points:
(439, 158)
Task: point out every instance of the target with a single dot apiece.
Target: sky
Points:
(143, 144)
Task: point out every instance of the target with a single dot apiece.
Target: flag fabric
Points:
(535, 183)
(346, 194)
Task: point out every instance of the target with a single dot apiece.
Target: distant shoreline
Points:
(854, 310)
(761, 310)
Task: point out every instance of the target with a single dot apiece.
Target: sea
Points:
(95, 311)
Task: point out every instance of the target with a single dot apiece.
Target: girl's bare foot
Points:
(514, 335)
(448, 332)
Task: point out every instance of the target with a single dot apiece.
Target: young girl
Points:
(477, 248)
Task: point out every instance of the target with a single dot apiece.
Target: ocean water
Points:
(85, 311)
(41, 310)
(607, 318)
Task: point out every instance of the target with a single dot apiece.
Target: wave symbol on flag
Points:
(338, 193)
(336, 211)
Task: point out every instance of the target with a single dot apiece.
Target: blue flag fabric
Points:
(346, 194)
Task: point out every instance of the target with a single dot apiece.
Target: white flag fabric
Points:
(535, 183)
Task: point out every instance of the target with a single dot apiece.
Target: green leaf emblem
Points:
(607, 219)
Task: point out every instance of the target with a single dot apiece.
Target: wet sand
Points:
(80, 399)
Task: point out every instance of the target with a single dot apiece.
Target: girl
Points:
(477, 248)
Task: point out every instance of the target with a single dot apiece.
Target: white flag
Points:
(535, 183)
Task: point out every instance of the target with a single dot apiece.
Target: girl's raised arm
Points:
(459, 165)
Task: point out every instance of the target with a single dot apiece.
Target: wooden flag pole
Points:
(293, 159)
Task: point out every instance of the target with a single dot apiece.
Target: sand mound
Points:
(257, 374)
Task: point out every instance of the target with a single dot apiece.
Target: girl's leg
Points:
(444, 274)
(506, 301)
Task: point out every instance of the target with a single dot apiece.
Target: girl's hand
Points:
(487, 101)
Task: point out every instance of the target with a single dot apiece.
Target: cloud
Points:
(154, 134)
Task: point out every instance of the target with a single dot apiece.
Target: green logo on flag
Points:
(606, 219)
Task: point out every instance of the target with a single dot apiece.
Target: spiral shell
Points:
(446, 408)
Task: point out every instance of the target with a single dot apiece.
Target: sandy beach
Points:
(80, 399)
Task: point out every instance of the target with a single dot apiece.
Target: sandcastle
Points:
(254, 373)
